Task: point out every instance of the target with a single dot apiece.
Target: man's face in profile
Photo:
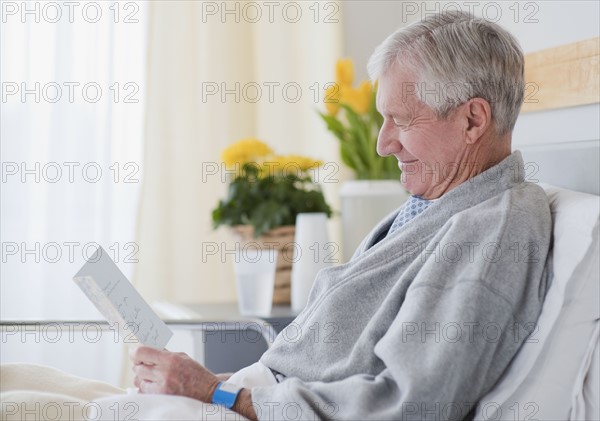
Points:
(428, 149)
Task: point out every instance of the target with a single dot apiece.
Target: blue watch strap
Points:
(226, 394)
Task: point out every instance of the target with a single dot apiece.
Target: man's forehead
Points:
(398, 74)
(397, 88)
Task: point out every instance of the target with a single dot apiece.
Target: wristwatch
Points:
(226, 394)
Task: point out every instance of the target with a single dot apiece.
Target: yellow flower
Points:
(358, 99)
(245, 150)
(301, 162)
(287, 165)
(332, 99)
(344, 72)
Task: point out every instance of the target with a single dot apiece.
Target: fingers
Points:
(146, 378)
(167, 372)
(148, 387)
(146, 372)
(146, 355)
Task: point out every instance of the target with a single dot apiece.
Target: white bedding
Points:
(31, 391)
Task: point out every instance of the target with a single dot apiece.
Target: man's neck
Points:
(478, 158)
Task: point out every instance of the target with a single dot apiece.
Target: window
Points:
(72, 115)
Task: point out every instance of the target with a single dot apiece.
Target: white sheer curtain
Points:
(172, 134)
(71, 142)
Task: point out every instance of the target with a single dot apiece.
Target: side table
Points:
(218, 336)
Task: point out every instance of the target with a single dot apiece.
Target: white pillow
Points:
(544, 380)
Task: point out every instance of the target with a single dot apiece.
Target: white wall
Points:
(366, 24)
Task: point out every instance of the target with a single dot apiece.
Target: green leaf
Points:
(366, 149)
(333, 124)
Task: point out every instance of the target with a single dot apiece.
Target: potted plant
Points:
(266, 193)
(353, 119)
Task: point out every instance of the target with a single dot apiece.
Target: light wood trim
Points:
(563, 76)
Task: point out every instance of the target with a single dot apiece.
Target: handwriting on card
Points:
(119, 302)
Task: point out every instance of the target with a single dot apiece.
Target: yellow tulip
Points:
(358, 99)
(332, 99)
(365, 90)
(344, 72)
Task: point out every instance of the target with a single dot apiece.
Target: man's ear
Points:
(478, 115)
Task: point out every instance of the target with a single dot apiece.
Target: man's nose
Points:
(388, 141)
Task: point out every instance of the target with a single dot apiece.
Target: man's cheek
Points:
(410, 170)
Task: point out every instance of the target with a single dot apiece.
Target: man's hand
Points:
(177, 374)
(172, 374)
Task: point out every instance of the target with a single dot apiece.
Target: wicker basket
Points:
(282, 240)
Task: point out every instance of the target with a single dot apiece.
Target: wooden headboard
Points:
(563, 76)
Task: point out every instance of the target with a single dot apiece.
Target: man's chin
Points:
(411, 187)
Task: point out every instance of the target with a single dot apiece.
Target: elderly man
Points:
(438, 298)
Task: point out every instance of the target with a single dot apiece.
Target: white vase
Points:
(255, 277)
(311, 254)
(364, 203)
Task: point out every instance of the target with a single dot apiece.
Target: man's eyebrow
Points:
(393, 110)
(399, 114)
(389, 111)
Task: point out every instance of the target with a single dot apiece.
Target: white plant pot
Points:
(255, 277)
(364, 203)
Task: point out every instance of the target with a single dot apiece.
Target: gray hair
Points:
(456, 57)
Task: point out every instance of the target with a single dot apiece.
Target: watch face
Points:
(229, 387)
